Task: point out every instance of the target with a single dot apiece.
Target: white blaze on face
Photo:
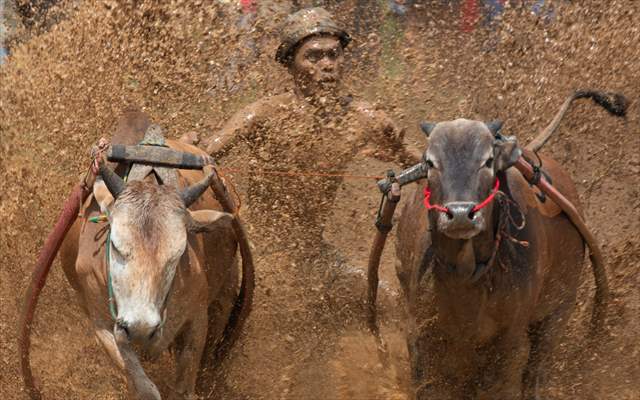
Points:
(146, 247)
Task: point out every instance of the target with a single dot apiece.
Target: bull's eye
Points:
(429, 163)
(117, 254)
(489, 162)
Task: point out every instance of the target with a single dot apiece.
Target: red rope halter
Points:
(477, 207)
(429, 206)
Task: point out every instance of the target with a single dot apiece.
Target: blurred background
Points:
(68, 69)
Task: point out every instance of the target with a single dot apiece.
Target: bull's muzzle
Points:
(139, 331)
(461, 222)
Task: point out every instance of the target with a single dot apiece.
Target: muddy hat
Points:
(305, 23)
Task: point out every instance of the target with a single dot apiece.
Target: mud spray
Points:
(190, 65)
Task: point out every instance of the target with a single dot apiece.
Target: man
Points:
(307, 298)
(313, 128)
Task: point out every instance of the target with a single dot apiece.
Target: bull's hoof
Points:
(145, 390)
(183, 396)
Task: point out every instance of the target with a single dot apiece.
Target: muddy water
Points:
(191, 67)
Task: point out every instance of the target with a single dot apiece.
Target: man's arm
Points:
(384, 140)
(241, 124)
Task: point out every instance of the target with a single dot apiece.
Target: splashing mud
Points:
(191, 65)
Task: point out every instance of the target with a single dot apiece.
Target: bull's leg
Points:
(544, 337)
(188, 353)
(503, 367)
(106, 339)
(439, 367)
(139, 385)
(532, 376)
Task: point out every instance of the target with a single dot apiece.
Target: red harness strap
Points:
(477, 207)
(429, 206)
(489, 198)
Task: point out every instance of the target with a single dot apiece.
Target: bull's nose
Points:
(122, 326)
(139, 330)
(461, 222)
(461, 212)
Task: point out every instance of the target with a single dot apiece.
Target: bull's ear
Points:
(103, 196)
(208, 220)
(494, 127)
(427, 127)
(506, 152)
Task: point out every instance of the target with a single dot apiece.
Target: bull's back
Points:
(559, 253)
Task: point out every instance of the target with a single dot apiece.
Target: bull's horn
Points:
(190, 194)
(427, 127)
(114, 183)
(494, 126)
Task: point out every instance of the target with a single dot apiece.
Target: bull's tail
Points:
(39, 277)
(242, 306)
(615, 103)
(600, 301)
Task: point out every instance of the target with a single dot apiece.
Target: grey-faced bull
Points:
(504, 265)
(160, 271)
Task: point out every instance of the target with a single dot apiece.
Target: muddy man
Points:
(315, 128)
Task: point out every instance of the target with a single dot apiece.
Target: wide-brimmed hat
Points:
(304, 23)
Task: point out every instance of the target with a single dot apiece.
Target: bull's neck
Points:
(461, 257)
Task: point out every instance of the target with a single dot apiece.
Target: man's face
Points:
(317, 63)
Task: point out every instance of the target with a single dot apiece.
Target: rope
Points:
(299, 173)
(289, 174)
(476, 208)
(96, 156)
(228, 182)
(99, 218)
(429, 206)
(111, 297)
(489, 198)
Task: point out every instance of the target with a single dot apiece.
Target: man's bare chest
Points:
(307, 142)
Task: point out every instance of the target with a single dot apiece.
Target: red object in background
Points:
(470, 15)
(248, 6)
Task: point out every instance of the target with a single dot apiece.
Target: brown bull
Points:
(503, 271)
(170, 256)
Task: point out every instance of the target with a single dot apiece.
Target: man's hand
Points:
(97, 154)
(190, 138)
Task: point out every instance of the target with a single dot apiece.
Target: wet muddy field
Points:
(191, 65)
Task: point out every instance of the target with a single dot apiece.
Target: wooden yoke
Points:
(157, 155)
